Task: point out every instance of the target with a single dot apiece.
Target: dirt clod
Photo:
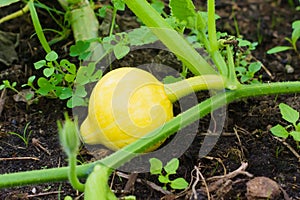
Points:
(262, 188)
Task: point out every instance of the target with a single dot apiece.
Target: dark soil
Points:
(246, 135)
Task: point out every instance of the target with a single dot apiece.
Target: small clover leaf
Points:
(51, 56)
(40, 64)
(45, 86)
(48, 72)
(119, 4)
(121, 50)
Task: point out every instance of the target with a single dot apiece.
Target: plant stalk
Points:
(172, 39)
(182, 88)
(16, 14)
(213, 42)
(37, 26)
(122, 156)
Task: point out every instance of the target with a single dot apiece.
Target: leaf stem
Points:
(213, 49)
(182, 88)
(172, 39)
(37, 26)
(15, 14)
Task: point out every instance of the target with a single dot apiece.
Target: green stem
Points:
(15, 14)
(212, 25)
(37, 26)
(213, 42)
(182, 88)
(113, 22)
(172, 39)
(124, 155)
(232, 79)
(72, 174)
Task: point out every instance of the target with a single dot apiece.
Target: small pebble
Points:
(289, 69)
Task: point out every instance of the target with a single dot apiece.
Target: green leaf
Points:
(70, 67)
(279, 131)
(97, 75)
(158, 6)
(40, 64)
(76, 101)
(31, 79)
(172, 166)
(163, 179)
(81, 77)
(288, 113)
(295, 35)
(254, 67)
(297, 127)
(56, 79)
(278, 49)
(7, 2)
(121, 50)
(182, 9)
(65, 93)
(29, 96)
(141, 36)
(241, 70)
(96, 186)
(51, 56)
(119, 4)
(70, 78)
(48, 72)
(243, 43)
(245, 78)
(179, 184)
(85, 55)
(45, 86)
(102, 11)
(295, 135)
(296, 24)
(80, 91)
(79, 48)
(155, 166)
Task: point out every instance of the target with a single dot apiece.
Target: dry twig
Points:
(289, 147)
(19, 158)
(198, 173)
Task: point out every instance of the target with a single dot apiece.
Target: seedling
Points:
(293, 40)
(156, 167)
(58, 80)
(25, 136)
(247, 72)
(292, 116)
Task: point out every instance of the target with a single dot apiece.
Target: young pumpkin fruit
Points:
(126, 104)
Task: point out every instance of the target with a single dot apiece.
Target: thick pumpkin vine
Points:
(206, 77)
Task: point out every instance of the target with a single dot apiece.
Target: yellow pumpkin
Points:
(126, 104)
